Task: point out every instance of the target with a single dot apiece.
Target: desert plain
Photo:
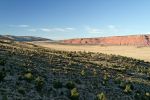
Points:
(137, 52)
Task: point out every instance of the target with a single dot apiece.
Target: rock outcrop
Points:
(137, 40)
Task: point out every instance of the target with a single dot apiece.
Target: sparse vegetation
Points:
(28, 76)
(82, 72)
(74, 94)
(29, 71)
(39, 83)
(101, 96)
(128, 88)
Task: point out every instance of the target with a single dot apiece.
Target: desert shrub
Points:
(82, 72)
(74, 94)
(128, 88)
(39, 83)
(70, 85)
(94, 72)
(140, 96)
(105, 80)
(101, 96)
(57, 84)
(28, 76)
(104, 83)
(105, 77)
(147, 94)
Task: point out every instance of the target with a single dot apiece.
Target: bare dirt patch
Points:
(142, 53)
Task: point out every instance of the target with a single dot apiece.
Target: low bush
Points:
(39, 83)
(74, 94)
(28, 76)
(128, 88)
(101, 96)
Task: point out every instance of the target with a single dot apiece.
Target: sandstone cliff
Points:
(138, 40)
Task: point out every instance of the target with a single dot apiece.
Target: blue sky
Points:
(63, 19)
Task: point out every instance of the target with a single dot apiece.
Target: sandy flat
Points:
(142, 53)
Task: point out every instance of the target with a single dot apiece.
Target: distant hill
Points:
(138, 40)
(23, 38)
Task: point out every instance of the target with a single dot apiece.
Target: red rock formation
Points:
(138, 40)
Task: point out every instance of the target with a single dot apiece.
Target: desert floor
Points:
(142, 53)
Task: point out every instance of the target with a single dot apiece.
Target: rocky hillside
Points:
(137, 40)
(30, 72)
(23, 38)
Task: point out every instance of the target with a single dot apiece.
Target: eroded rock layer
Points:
(143, 40)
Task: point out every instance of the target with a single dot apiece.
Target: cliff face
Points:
(139, 40)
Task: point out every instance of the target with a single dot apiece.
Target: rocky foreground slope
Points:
(137, 40)
(30, 72)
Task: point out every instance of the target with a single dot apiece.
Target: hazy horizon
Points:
(74, 37)
(65, 19)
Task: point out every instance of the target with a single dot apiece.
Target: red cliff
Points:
(138, 40)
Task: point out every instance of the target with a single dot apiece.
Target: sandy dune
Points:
(142, 53)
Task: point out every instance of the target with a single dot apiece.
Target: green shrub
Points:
(105, 80)
(101, 96)
(70, 85)
(147, 94)
(105, 77)
(128, 88)
(74, 94)
(57, 84)
(94, 72)
(28, 76)
(82, 72)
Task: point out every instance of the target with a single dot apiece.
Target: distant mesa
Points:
(136, 40)
(130, 40)
(23, 38)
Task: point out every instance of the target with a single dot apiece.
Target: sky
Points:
(64, 19)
